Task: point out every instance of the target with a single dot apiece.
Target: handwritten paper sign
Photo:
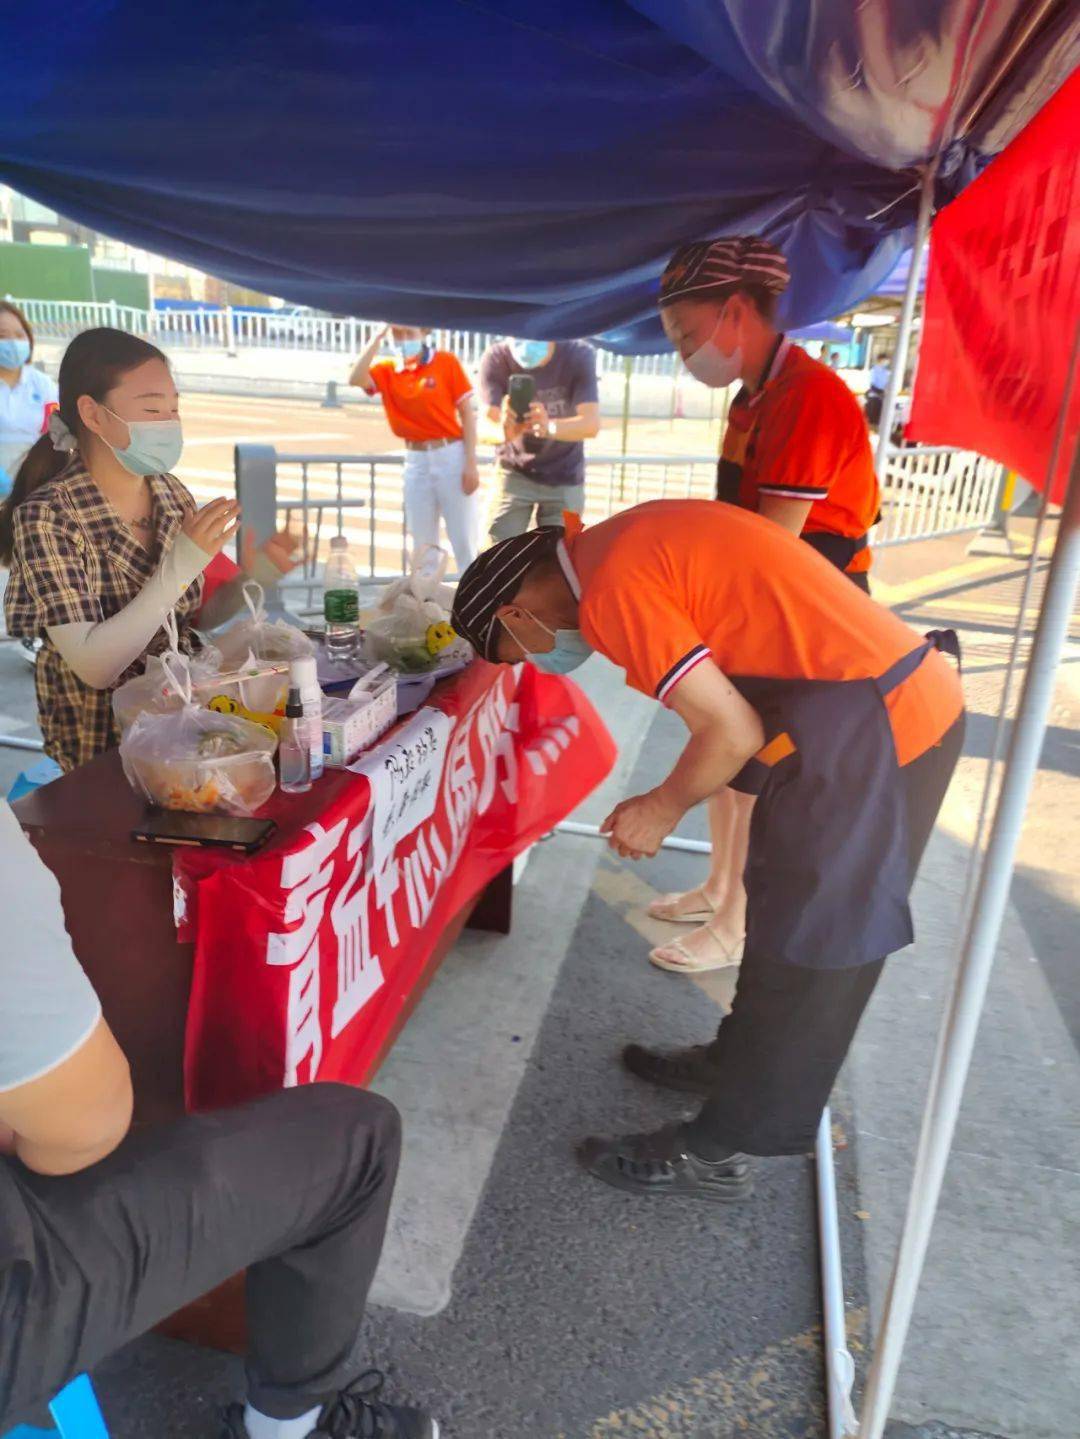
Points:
(405, 775)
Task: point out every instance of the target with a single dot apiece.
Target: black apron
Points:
(839, 550)
(828, 873)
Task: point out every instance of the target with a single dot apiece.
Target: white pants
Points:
(433, 491)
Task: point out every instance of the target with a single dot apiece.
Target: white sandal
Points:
(663, 908)
(678, 959)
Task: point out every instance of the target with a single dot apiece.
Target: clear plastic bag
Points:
(154, 691)
(412, 632)
(260, 638)
(261, 697)
(195, 760)
(424, 582)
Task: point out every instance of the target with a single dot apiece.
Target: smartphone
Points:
(522, 390)
(217, 831)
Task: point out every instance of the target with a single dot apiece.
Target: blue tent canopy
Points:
(524, 168)
(826, 332)
(894, 284)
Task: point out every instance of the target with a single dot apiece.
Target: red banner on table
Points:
(1003, 303)
(306, 955)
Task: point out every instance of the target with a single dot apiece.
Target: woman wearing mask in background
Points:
(27, 395)
(103, 541)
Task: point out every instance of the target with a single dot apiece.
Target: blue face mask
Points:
(14, 354)
(570, 649)
(153, 446)
(410, 348)
(529, 353)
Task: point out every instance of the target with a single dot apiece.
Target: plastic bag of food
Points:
(411, 640)
(154, 691)
(196, 760)
(424, 582)
(412, 632)
(271, 641)
(260, 697)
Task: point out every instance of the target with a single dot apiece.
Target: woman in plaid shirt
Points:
(103, 542)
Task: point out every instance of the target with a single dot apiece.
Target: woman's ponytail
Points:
(41, 464)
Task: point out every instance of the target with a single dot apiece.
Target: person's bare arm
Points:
(583, 425)
(725, 732)
(74, 1114)
(361, 371)
(470, 475)
(790, 514)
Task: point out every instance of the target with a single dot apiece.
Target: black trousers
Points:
(296, 1187)
(778, 1052)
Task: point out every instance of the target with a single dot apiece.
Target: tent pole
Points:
(976, 960)
(673, 841)
(839, 1365)
(907, 315)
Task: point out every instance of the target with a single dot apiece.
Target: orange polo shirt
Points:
(802, 436)
(421, 400)
(670, 583)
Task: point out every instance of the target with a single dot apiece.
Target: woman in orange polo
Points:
(795, 450)
(847, 721)
(428, 399)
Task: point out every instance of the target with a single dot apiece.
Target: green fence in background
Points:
(126, 287)
(64, 272)
(48, 272)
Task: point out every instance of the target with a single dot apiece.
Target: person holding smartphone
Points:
(542, 456)
(103, 541)
(428, 399)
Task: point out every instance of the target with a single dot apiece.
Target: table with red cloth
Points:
(302, 961)
(306, 954)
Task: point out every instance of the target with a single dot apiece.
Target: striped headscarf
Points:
(708, 265)
(492, 580)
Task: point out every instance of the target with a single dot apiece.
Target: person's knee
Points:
(361, 1122)
(360, 1109)
(373, 1127)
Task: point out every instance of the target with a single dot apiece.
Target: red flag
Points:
(1003, 303)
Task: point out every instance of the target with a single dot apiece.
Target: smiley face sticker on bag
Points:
(439, 637)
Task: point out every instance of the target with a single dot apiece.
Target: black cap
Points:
(493, 579)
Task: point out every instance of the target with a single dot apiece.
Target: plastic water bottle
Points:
(294, 754)
(341, 603)
(304, 675)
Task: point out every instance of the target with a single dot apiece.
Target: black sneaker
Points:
(661, 1165)
(687, 1070)
(356, 1413)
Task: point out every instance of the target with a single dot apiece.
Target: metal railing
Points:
(928, 493)
(362, 495)
(232, 329)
